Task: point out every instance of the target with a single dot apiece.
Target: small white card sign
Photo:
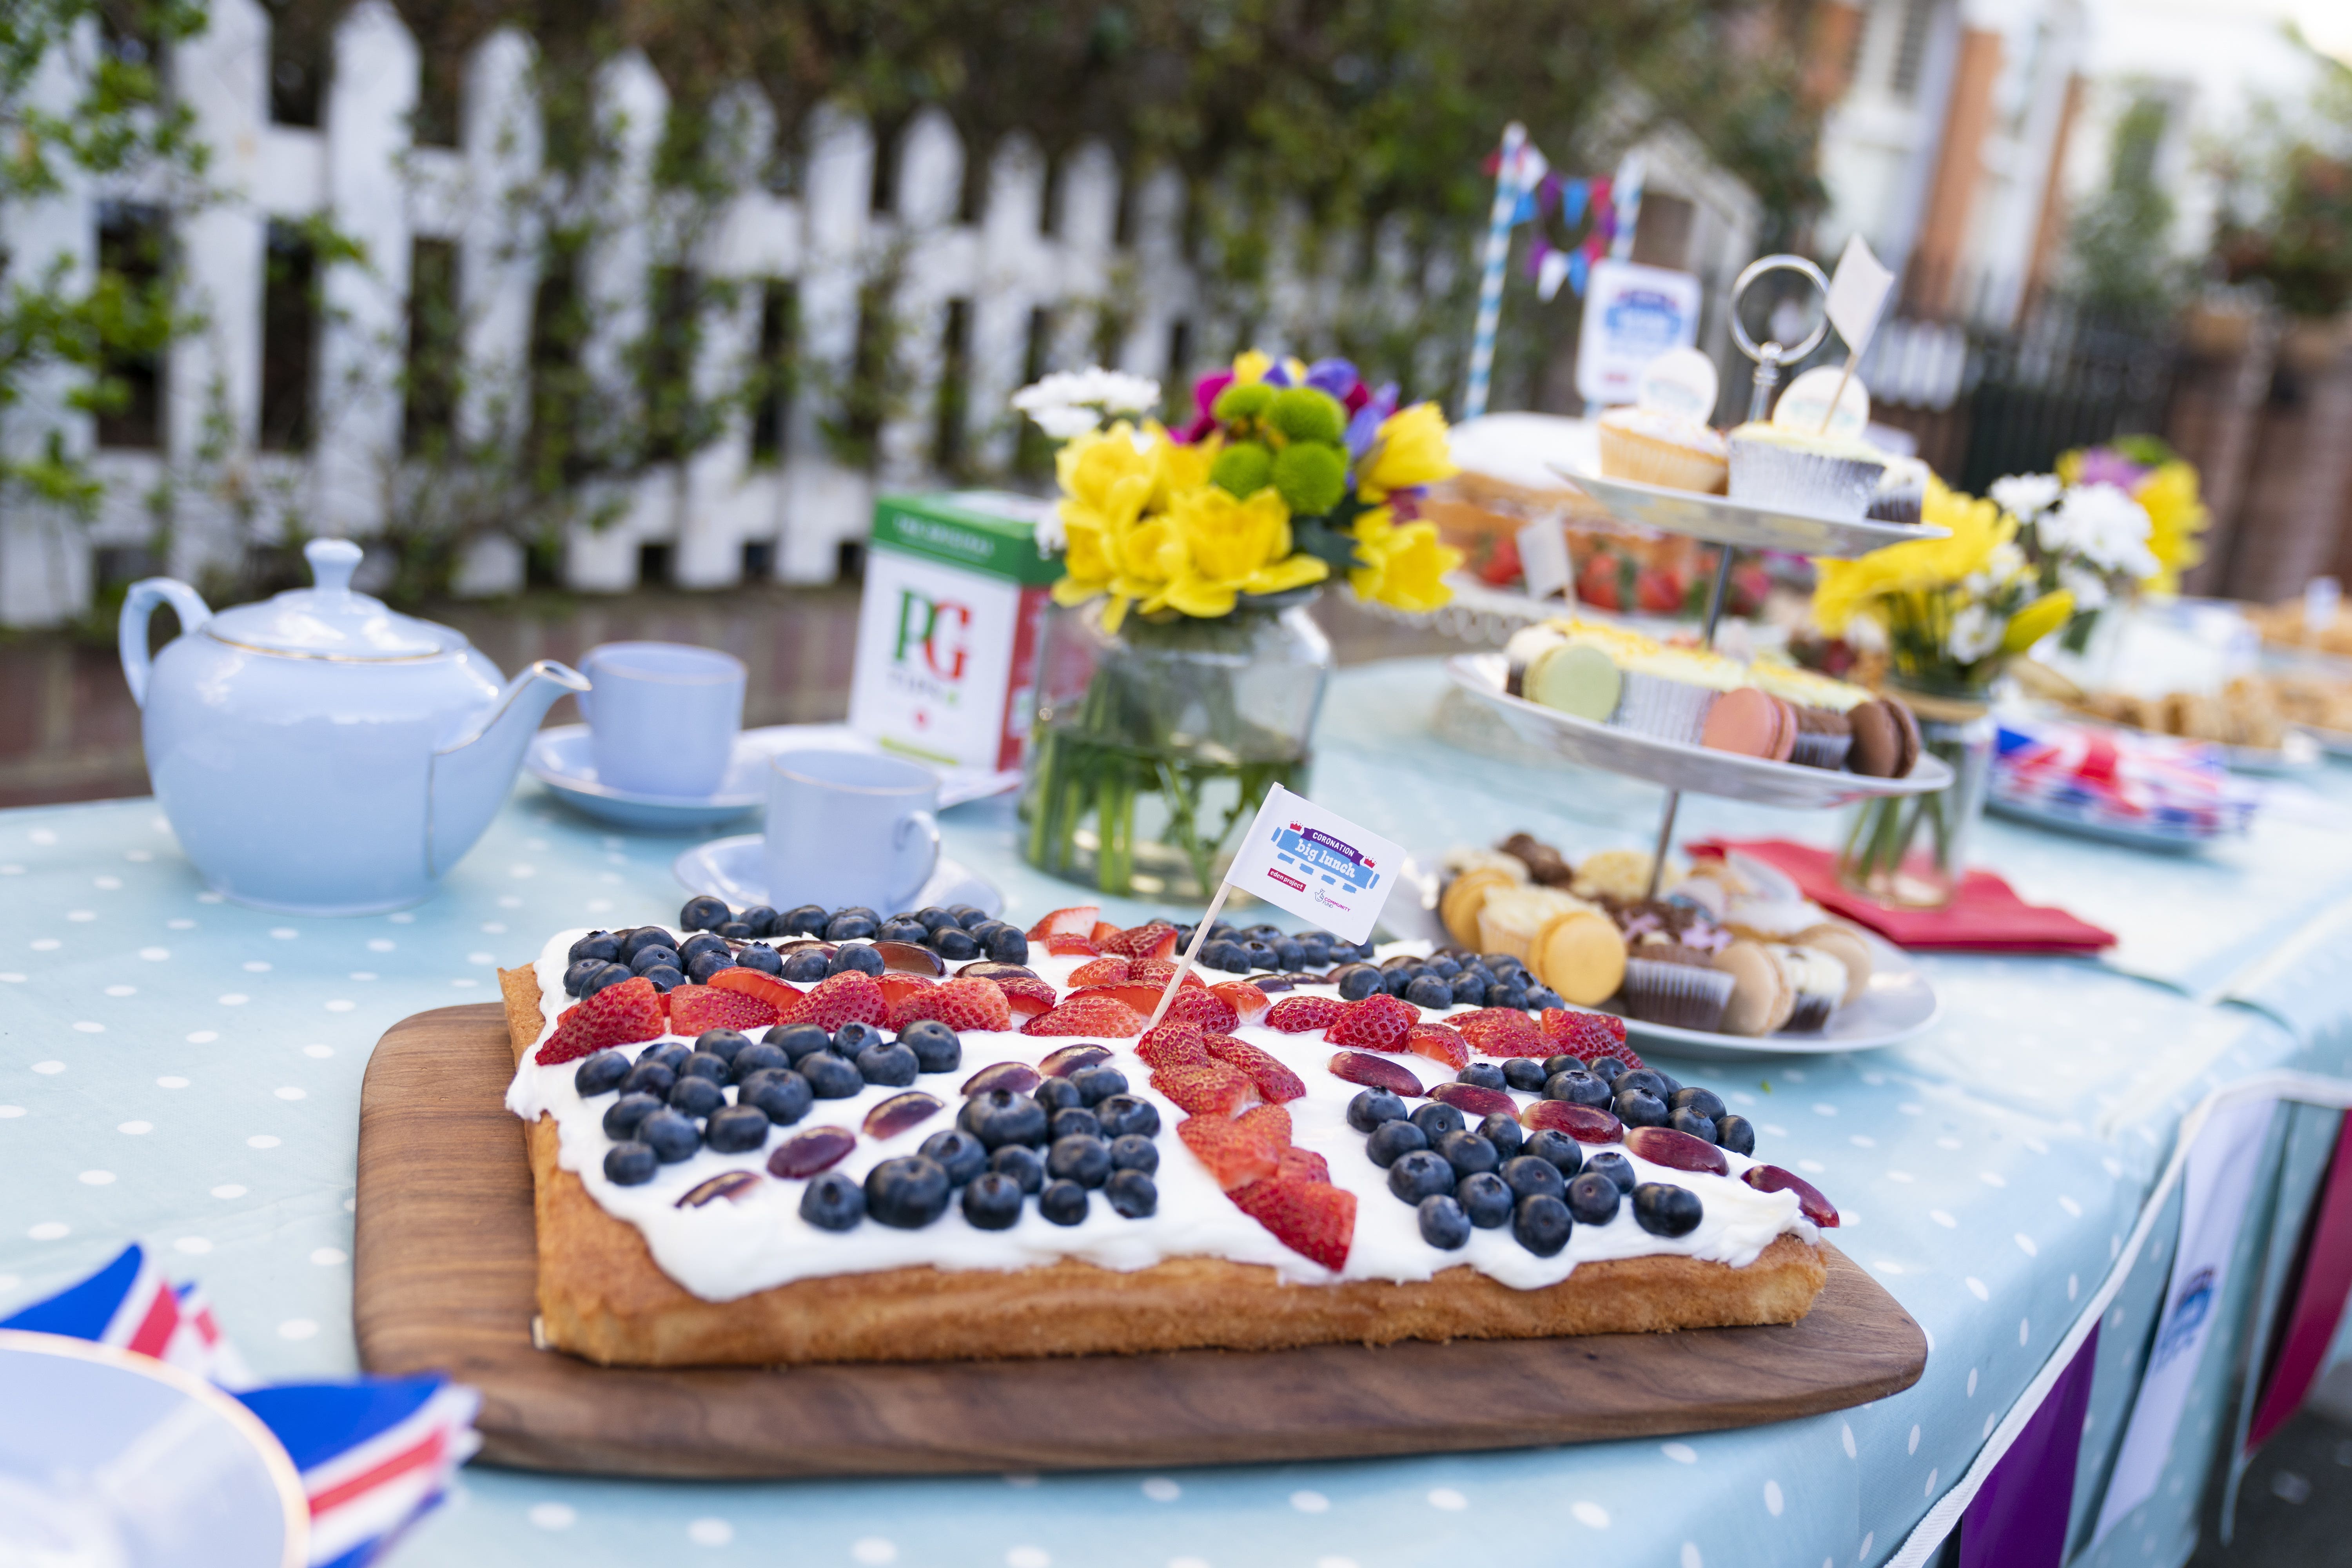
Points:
(1857, 294)
(1631, 315)
(1317, 865)
(1544, 563)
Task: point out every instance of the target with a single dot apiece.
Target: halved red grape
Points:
(806, 1153)
(906, 958)
(900, 1112)
(1678, 1151)
(1070, 1058)
(989, 969)
(1018, 1077)
(1473, 1101)
(1585, 1123)
(732, 1185)
(1375, 1072)
(1810, 1201)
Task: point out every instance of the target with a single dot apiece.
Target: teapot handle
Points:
(130, 632)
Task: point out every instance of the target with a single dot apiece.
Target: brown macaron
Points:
(1909, 727)
(1877, 739)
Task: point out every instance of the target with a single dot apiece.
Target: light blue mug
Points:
(850, 827)
(662, 716)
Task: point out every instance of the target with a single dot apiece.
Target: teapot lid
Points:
(330, 621)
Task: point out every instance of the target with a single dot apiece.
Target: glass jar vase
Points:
(1912, 851)
(1154, 744)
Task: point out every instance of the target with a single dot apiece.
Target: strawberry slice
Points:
(1275, 1081)
(1172, 1044)
(1154, 972)
(1439, 1044)
(1088, 1015)
(1142, 998)
(617, 1016)
(1075, 922)
(1501, 1032)
(1302, 1165)
(1249, 1003)
(1071, 946)
(1314, 1219)
(1163, 946)
(963, 1004)
(694, 1008)
(1028, 994)
(1204, 1007)
(1270, 1123)
(1104, 934)
(1375, 1072)
(1475, 1102)
(1299, 1015)
(1205, 1088)
(1134, 940)
(1585, 1123)
(1378, 1023)
(1568, 1031)
(851, 996)
(790, 1001)
(1105, 971)
(1234, 1154)
(1811, 1202)
(896, 985)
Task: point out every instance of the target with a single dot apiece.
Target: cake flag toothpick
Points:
(1305, 861)
(1858, 292)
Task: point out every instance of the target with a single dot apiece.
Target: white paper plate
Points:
(559, 758)
(1696, 769)
(1719, 520)
(736, 869)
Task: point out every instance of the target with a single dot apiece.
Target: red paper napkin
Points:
(1986, 917)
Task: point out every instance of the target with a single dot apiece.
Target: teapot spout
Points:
(472, 777)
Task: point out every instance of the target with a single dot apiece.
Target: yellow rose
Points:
(1409, 450)
(1405, 568)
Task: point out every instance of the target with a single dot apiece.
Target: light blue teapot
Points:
(317, 752)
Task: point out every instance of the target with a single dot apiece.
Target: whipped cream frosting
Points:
(725, 1250)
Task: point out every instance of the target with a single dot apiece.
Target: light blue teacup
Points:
(662, 717)
(850, 827)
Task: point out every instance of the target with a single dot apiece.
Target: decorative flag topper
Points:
(1309, 862)
(1858, 292)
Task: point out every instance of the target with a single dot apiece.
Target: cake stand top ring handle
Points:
(1769, 356)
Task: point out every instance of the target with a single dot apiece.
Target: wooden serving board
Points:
(444, 1277)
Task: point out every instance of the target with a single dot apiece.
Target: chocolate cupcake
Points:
(1544, 864)
(1666, 983)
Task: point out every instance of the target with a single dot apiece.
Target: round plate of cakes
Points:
(1726, 960)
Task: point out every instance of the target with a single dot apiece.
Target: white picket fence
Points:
(1027, 247)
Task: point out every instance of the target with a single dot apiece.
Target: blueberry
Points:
(1485, 1074)
(1000, 1117)
(848, 927)
(1392, 1140)
(1442, 965)
(1437, 1119)
(601, 1074)
(1540, 998)
(703, 941)
(1507, 993)
(1487, 1199)
(665, 978)
(1699, 1127)
(600, 945)
(761, 957)
(756, 1056)
(696, 1096)
(737, 929)
(705, 913)
(932, 918)
(1638, 1108)
(782, 1094)
(761, 919)
(1261, 955)
(833, 1202)
(1020, 1163)
(1129, 1151)
(1736, 1133)
(1608, 1069)
(936, 1047)
(1079, 1157)
(902, 928)
(955, 944)
(1225, 955)
(1369, 1109)
(621, 1117)
(1125, 1116)
(703, 965)
(1008, 944)
(860, 956)
(1469, 990)
(629, 1164)
(1468, 1153)
(577, 975)
(1561, 1064)
(958, 1153)
(611, 974)
(1058, 1094)
(700, 1063)
(1416, 1176)
(1555, 1149)
(1527, 1175)
(1397, 982)
(1265, 931)
(853, 1038)
(805, 965)
(1442, 1222)
(648, 1078)
(1356, 980)
(1502, 1129)
(1096, 1084)
(1674, 1085)
(1288, 953)
(967, 916)
(830, 1076)
(1132, 1193)
(907, 1193)
(1705, 1102)
(1541, 1224)
(656, 956)
(797, 1040)
(1593, 1198)
(671, 1053)
(1500, 964)
(1314, 949)
(1064, 1202)
(644, 937)
(735, 1128)
(1663, 1209)
(807, 919)
(991, 1201)
(670, 1135)
(892, 1066)
(1072, 1118)
(1615, 1166)
(1642, 1078)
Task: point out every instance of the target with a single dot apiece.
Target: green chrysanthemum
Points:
(1310, 478)
(1242, 471)
(1304, 414)
(1238, 403)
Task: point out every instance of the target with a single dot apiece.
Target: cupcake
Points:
(1902, 492)
(1823, 739)
(1544, 864)
(1651, 446)
(1459, 906)
(1824, 735)
(1669, 691)
(1614, 877)
(1509, 917)
(1819, 981)
(1774, 467)
(1843, 943)
(1666, 983)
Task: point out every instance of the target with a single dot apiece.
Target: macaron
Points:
(1575, 678)
(1762, 998)
(1877, 739)
(1458, 907)
(1785, 746)
(1908, 727)
(1750, 722)
(1844, 944)
(1579, 954)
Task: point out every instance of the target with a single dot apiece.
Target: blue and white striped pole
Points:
(1498, 255)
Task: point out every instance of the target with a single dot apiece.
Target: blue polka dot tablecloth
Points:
(186, 1072)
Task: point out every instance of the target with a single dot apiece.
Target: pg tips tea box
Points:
(947, 632)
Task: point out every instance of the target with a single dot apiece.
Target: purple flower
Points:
(1335, 376)
(2105, 466)
(1366, 426)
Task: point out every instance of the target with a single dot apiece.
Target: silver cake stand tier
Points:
(1744, 525)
